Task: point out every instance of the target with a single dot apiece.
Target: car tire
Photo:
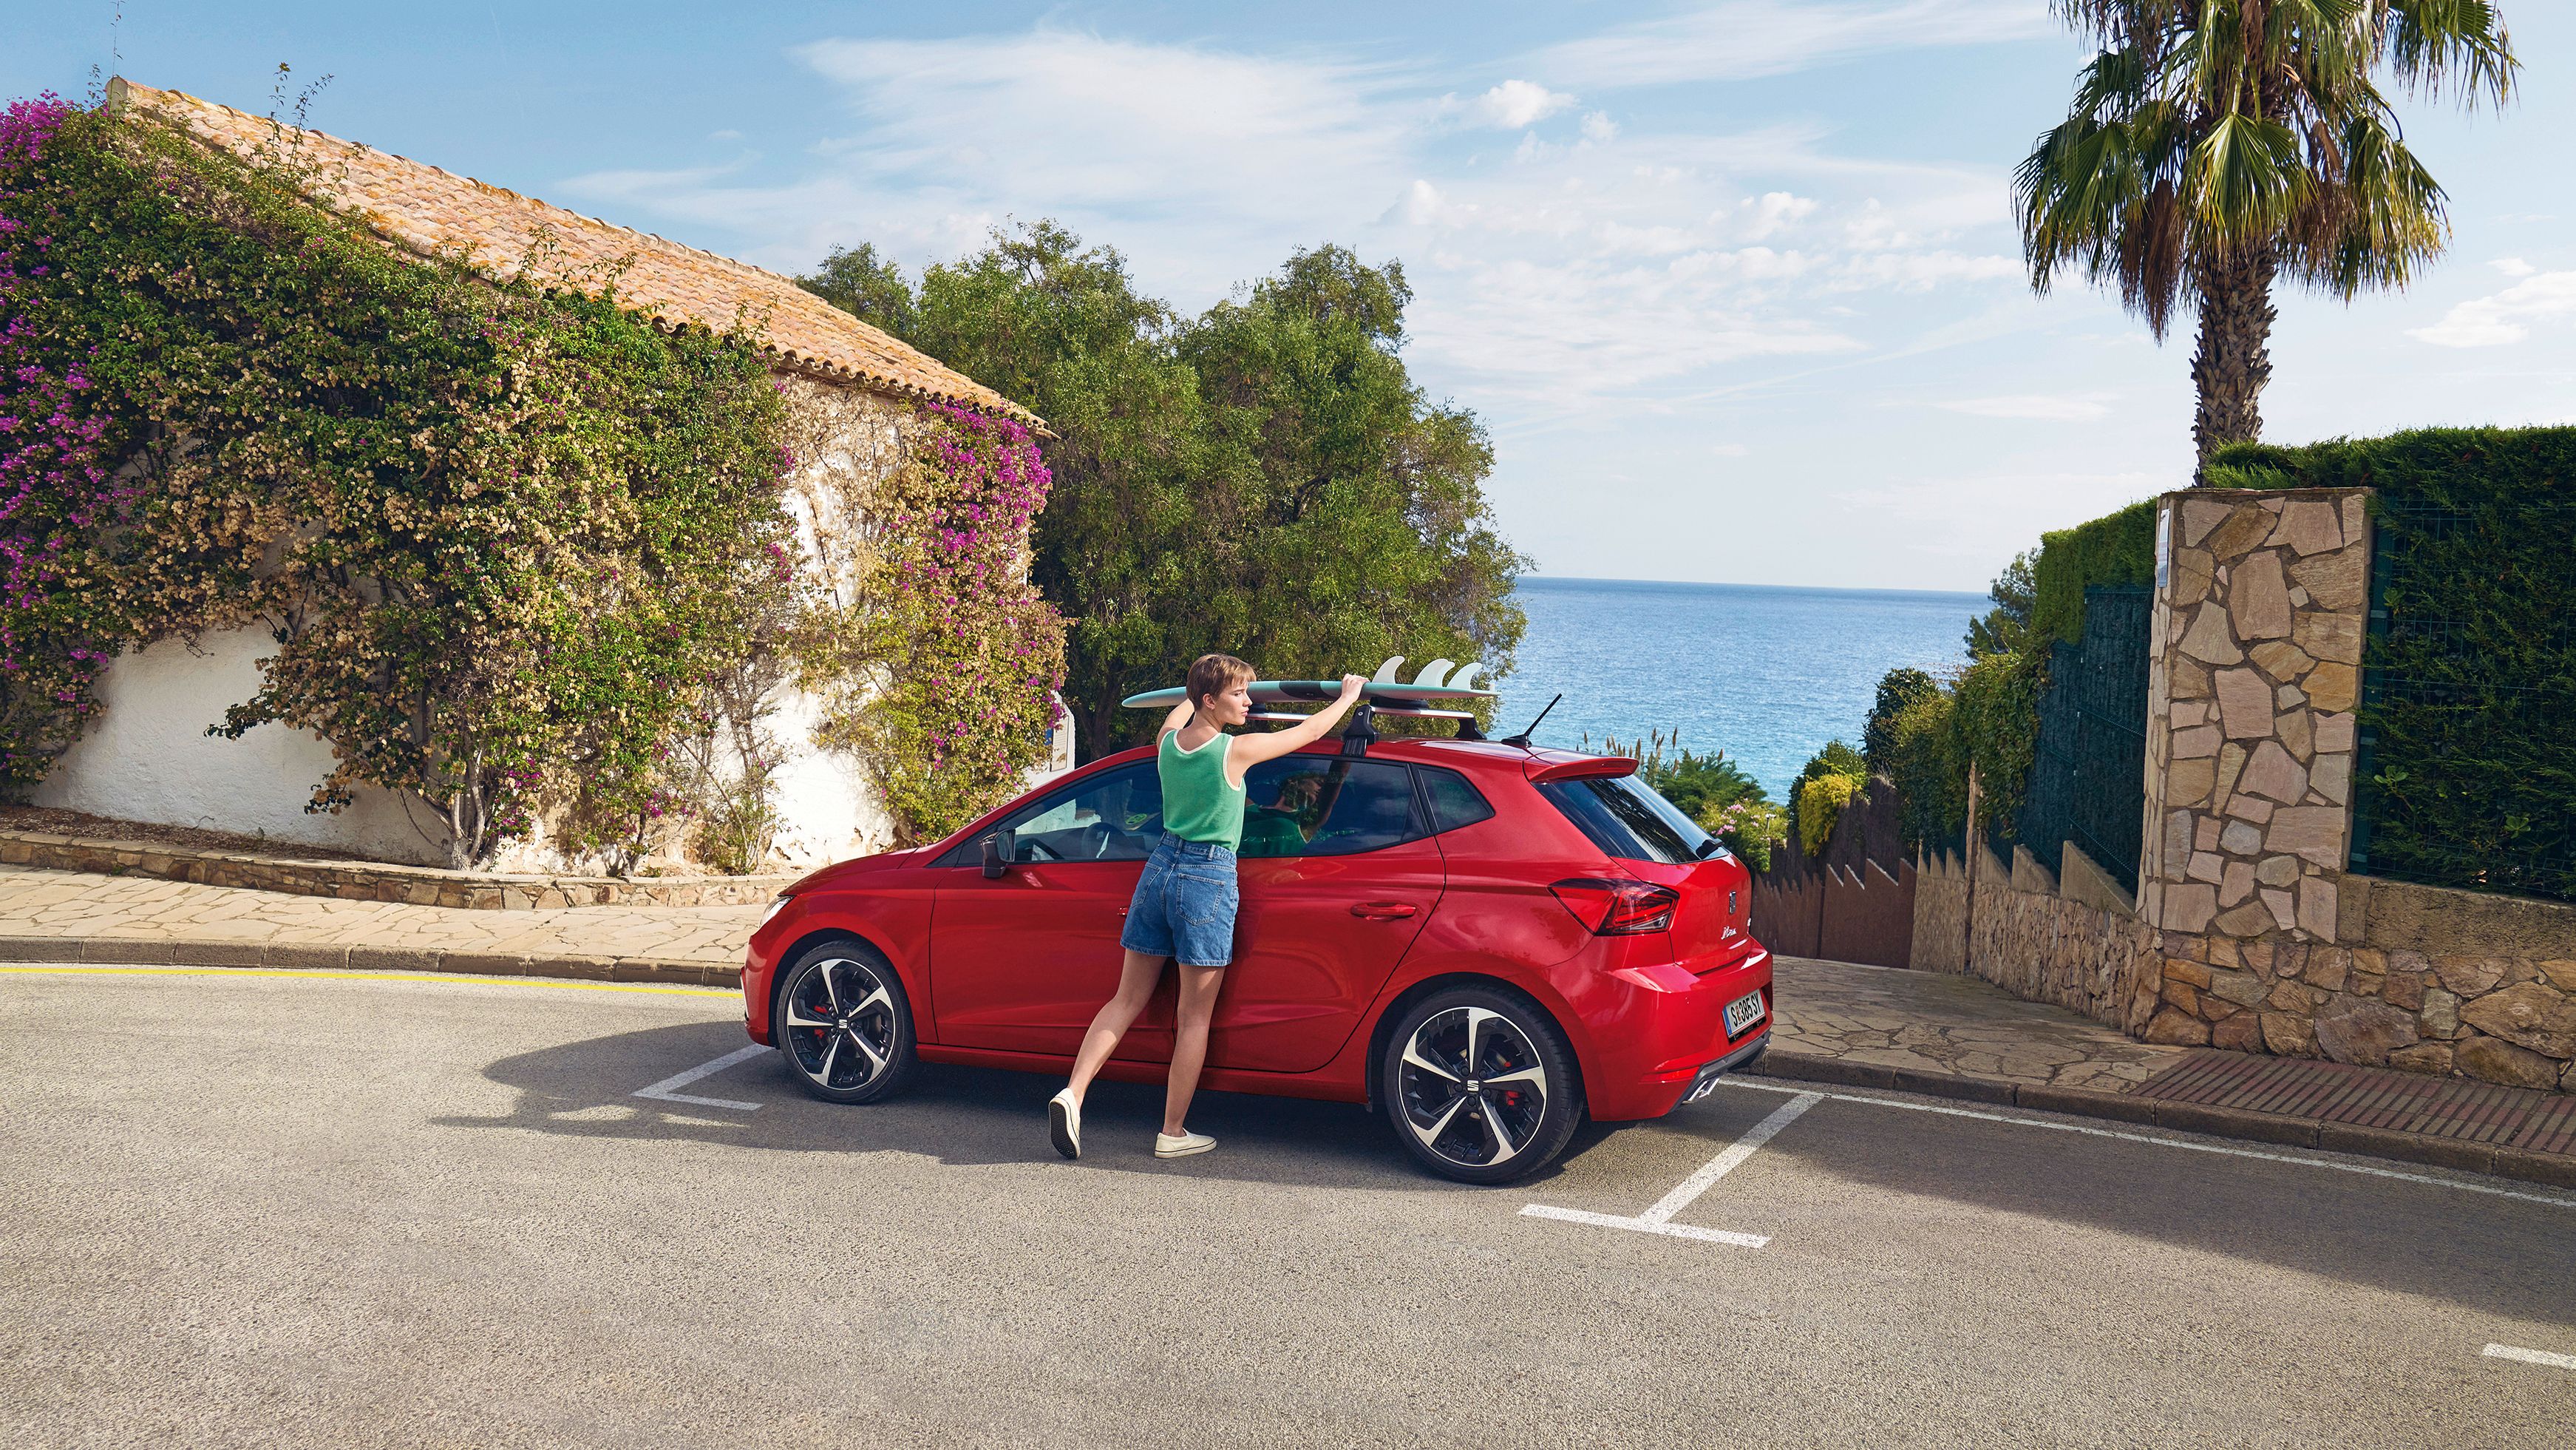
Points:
(1480, 1085)
(843, 1022)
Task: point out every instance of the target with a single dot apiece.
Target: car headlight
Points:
(775, 907)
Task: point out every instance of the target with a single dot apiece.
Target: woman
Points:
(1185, 901)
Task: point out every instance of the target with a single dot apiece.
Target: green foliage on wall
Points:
(505, 539)
(2117, 548)
(2470, 686)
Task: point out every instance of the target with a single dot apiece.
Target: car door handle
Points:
(1384, 910)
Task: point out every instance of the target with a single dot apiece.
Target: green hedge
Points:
(2468, 771)
(2117, 548)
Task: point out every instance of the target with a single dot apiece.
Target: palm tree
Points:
(2216, 145)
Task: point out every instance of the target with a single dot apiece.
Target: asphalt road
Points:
(271, 1210)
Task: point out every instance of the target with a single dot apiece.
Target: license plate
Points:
(1742, 1013)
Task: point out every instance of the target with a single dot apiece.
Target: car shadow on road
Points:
(2507, 1255)
(957, 1115)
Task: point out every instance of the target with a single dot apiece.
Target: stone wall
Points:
(2261, 941)
(2032, 938)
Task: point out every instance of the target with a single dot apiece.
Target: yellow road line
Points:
(319, 974)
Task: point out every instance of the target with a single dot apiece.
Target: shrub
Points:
(1820, 802)
(1750, 828)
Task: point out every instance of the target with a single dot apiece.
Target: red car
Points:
(1486, 942)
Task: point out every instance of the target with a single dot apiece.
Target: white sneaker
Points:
(1167, 1146)
(1064, 1123)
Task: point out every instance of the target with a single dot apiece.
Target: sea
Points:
(1766, 674)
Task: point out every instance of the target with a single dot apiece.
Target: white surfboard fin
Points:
(1386, 672)
(1436, 673)
(1464, 677)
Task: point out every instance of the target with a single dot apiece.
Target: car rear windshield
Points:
(1626, 818)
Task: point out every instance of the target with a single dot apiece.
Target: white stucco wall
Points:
(147, 757)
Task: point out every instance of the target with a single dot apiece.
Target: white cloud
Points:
(2513, 266)
(1744, 39)
(2042, 407)
(1515, 104)
(1775, 210)
(2501, 319)
(1579, 280)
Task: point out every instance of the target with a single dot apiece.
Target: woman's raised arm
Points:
(1250, 750)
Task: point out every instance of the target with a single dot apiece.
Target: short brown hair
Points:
(1214, 675)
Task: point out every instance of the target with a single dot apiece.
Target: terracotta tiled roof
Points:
(432, 211)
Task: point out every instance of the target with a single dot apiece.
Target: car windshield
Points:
(1625, 817)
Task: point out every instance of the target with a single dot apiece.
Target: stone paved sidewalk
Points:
(36, 903)
(1937, 1022)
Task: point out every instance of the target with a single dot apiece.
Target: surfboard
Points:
(1439, 680)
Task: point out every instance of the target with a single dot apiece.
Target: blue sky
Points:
(1735, 285)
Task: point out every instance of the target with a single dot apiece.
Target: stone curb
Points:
(376, 881)
(2555, 1169)
(121, 951)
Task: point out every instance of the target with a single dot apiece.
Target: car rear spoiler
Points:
(1574, 767)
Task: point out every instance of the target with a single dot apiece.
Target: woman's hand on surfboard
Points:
(1351, 686)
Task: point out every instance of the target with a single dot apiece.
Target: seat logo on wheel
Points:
(1472, 1087)
(839, 1021)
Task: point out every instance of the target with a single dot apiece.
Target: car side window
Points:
(1452, 801)
(1325, 805)
(1113, 817)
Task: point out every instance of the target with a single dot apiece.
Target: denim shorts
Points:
(1184, 905)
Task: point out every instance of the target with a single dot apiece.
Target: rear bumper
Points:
(1665, 1038)
(1737, 1061)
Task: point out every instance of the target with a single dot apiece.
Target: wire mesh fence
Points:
(2088, 773)
(2458, 693)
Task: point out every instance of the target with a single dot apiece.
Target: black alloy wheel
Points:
(843, 1023)
(1481, 1086)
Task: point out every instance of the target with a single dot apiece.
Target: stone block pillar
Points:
(2262, 600)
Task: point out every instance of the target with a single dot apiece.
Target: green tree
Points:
(1362, 515)
(2015, 591)
(1264, 479)
(1898, 690)
(867, 286)
(2215, 146)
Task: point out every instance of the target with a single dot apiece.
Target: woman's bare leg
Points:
(1136, 979)
(1189, 1042)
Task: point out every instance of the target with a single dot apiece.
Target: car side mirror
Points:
(997, 855)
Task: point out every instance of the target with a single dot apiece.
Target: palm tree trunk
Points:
(2233, 362)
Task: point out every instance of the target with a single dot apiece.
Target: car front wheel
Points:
(843, 1023)
(1481, 1085)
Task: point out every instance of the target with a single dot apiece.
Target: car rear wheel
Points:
(844, 1025)
(1481, 1085)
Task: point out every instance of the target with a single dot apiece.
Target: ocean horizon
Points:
(1767, 673)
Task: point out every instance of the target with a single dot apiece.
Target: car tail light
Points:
(1611, 907)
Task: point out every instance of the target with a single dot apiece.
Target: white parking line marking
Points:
(1658, 1219)
(2551, 1199)
(665, 1090)
(2530, 1356)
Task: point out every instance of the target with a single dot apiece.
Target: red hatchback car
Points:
(1486, 942)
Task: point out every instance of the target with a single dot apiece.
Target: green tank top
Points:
(1198, 803)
